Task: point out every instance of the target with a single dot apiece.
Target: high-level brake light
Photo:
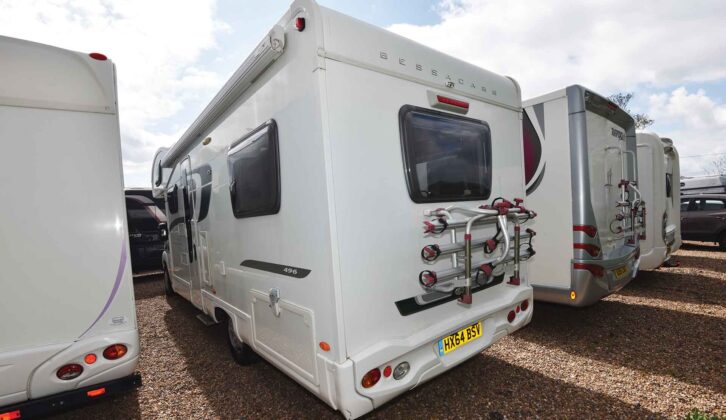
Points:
(453, 102)
(98, 56)
(300, 24)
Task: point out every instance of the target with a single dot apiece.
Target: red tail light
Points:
(68, 372)
(510, 316)
(300, 24)
(524, 305)
(595, 269)
(98, 56)
(591, 231)
(10, 415)
(96, 392)
(387, 371)
(115, 351)
(593, 250)
(371, 378)
(453, 102)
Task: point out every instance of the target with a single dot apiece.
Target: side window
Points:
(708, 204)
(532, 148)
(172, 197)
(446, 157)
(254, 173)
(669, 185)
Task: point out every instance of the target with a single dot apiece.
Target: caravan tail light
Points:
(524, 305)
(68, 372)
(510, 316)
(300, 24)
(591, 231)
(90, 359)
(593, 250)
(401, 370)
(96, 392)
(10, 415)
(387, 371)
(371, 378)
(453, 102)
(594, 269)
(98, 56)
(115, 351)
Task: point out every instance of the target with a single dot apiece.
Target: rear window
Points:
(446, 157)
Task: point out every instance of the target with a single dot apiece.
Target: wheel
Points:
(168, 290)
(241, 352)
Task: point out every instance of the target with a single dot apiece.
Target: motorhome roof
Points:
(30, 73)
(383, 51)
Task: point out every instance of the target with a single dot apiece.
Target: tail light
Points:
(371, 378)
(68, 372)
(452, 102)
(524, 305)
(96, 392)
(300, 24)
(589, 230)
(90, 359)
(10, 415)
(510, 316)
(595, 269)
(401, 370)
(98, 56)
(591, 249)
(115, 351)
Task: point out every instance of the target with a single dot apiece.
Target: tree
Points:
(719, 166)
(622, 100)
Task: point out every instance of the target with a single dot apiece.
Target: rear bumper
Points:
(588, 288)
(44, 406)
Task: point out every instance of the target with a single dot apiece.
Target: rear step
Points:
(207, 320)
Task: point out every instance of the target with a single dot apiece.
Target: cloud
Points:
(605, 45)
(608, 46)
(156, 46)
(695, 122)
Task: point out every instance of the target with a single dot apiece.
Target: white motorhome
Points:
(67, 315)
(580, 169)
(336, 205)
(709, 184)
(658, 181)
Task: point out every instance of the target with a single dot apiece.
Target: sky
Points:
(172, 57)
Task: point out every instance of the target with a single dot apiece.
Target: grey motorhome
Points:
(581, 167)
(336, 205)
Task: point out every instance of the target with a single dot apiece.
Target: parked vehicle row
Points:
(363, 216)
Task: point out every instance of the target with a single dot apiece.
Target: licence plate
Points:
(459, 338)
(620, 271)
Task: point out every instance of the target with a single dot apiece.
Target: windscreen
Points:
(447, 157)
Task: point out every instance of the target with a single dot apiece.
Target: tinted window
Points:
(447, 157)
(172, 198)
(684, 205)
(532, 148)
(254, 173)
(710, 204)
(669, 185)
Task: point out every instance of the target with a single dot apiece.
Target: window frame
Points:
(410, 172)
(271, 126)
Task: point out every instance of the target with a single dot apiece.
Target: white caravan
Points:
(709, 184)
(580, 168)
(329, 205)
(67, 316)
(658, 175)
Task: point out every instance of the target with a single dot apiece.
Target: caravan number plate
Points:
(620, 271)
(459, 338)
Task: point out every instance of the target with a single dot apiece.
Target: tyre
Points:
(241, 352)
(168, 290)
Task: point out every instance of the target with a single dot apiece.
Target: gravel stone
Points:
(653, 350)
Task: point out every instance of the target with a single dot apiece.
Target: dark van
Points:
(703, 218)
(146, 240)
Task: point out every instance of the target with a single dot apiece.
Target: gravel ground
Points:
(654, 350)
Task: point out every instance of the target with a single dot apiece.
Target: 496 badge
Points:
(459, 338)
